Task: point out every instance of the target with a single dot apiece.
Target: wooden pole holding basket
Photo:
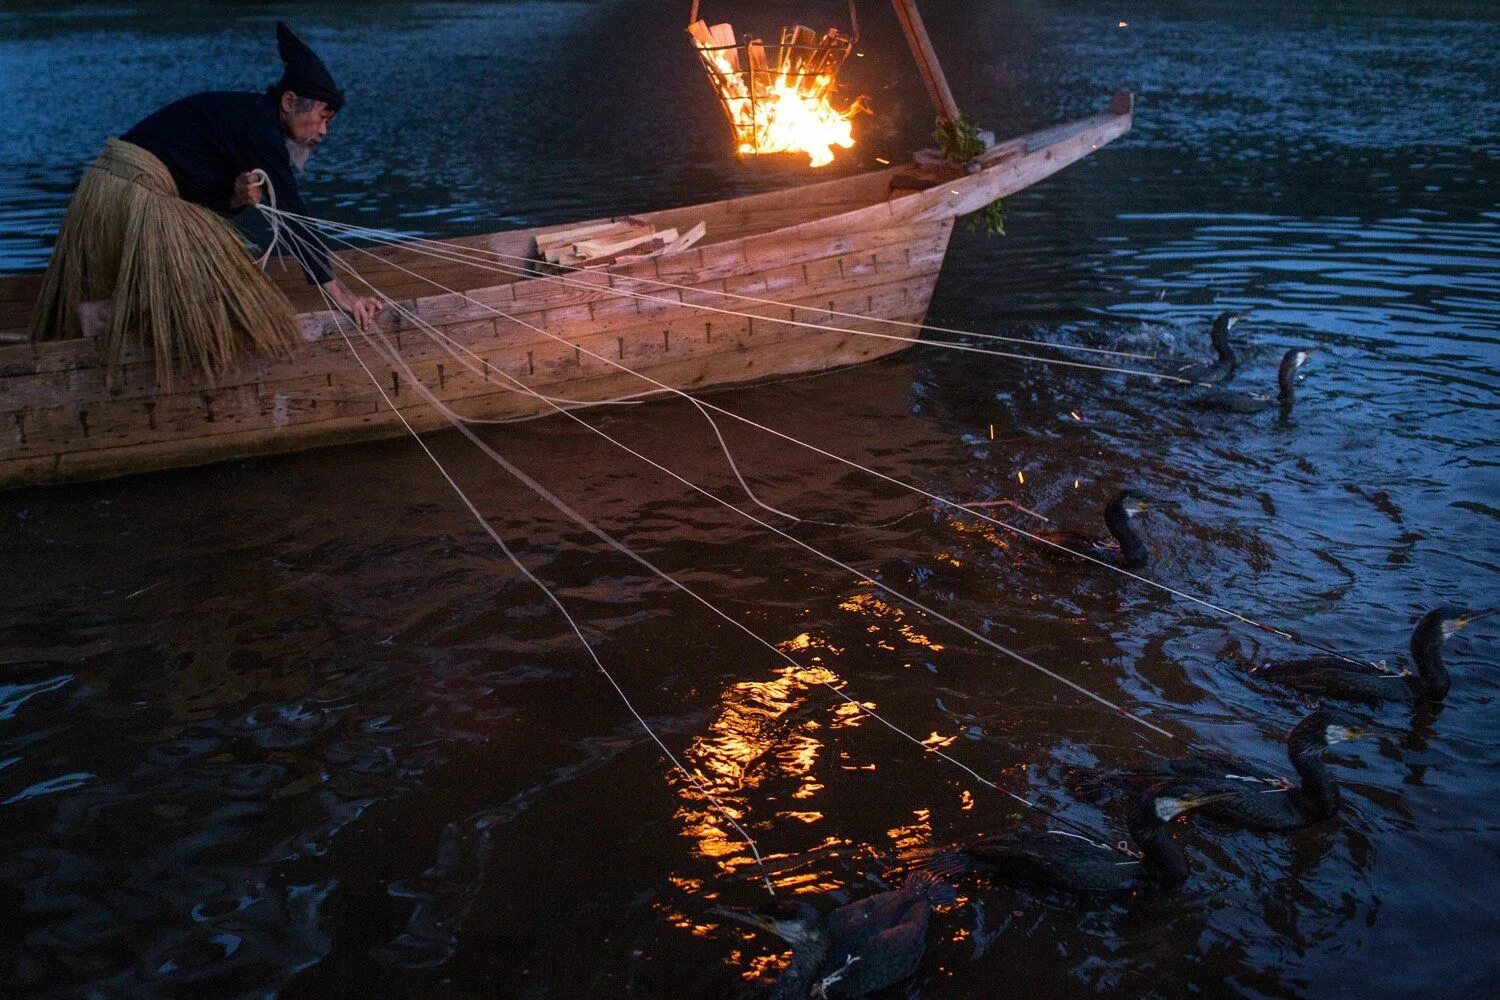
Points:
(927, 60)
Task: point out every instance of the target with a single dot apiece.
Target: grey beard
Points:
(299, 153)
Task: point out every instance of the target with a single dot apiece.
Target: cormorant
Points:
(1332, 677)
(1129, 549)
(1254, 803)
(857, 949)
(1065, 861)
(1229, 401)
(1226, 362)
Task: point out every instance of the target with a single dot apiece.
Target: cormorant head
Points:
(1223, 323)
(1132, 503)
(794, 921)
(1324, 727)
(1295, 358)
(1169, 807)
(1286, 375)
(1447, 621)
(1166, 805)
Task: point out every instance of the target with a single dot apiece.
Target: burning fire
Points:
(780, 105)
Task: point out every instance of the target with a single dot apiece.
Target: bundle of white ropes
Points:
(512, 266)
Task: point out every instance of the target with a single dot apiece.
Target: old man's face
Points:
(305, 123)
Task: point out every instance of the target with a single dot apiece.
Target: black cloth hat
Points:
(305, 75)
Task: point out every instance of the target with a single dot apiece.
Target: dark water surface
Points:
(292, 726)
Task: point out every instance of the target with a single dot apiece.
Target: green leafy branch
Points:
(959, 140)
(991, 217)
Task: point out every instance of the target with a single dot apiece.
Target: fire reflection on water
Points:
(764, 736)
(759, 735)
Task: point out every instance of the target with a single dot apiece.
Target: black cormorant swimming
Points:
(1225, 362)
(856, 950)
(1332, 677)
(1129, 549)
(1229, 401)
(1059, 860)
(1257, 803)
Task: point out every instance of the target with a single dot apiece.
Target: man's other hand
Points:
(246, 190)
(362, 309)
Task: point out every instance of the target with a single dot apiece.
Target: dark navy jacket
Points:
(208, 140)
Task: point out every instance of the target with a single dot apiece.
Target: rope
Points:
(476, 256)
(984, 640)
(395, 358)
(556, 602)
(271, 216)
(1202, 602)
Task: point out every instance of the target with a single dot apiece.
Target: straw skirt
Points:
(178, 278)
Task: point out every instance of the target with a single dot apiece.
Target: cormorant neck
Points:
(1133, 551)
(1318, 798)
(796, 980)
(1427, 651)
(1287, 380)
(1162, 858)
(1219, 337)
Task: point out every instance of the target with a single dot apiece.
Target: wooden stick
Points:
(599, 248)
(700, 33)
(687, 239)
(927, 60)
(546, 240)
(651, 247)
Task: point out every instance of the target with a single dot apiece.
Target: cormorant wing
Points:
(850, 926)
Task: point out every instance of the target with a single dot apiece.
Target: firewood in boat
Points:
(591, 249)
(640, 251)
(613, 233)
(548, 240)
(687, 239)
(608, 236)
(592, 231)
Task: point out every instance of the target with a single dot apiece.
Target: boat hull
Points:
(849, 255)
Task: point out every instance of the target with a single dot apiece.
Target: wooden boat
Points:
(870, 244)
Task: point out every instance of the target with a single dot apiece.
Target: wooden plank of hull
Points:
(851, 244)
(710, 348)
(541, 366)
(50, 410)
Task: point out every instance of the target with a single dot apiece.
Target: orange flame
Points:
(785, 108)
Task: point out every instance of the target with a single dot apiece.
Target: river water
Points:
(292, 726)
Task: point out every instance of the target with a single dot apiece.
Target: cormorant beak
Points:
(1194, 801)
(1347, 734)
(1169, 808)
(1470, 617)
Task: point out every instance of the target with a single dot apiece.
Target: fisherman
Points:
(148, 228)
